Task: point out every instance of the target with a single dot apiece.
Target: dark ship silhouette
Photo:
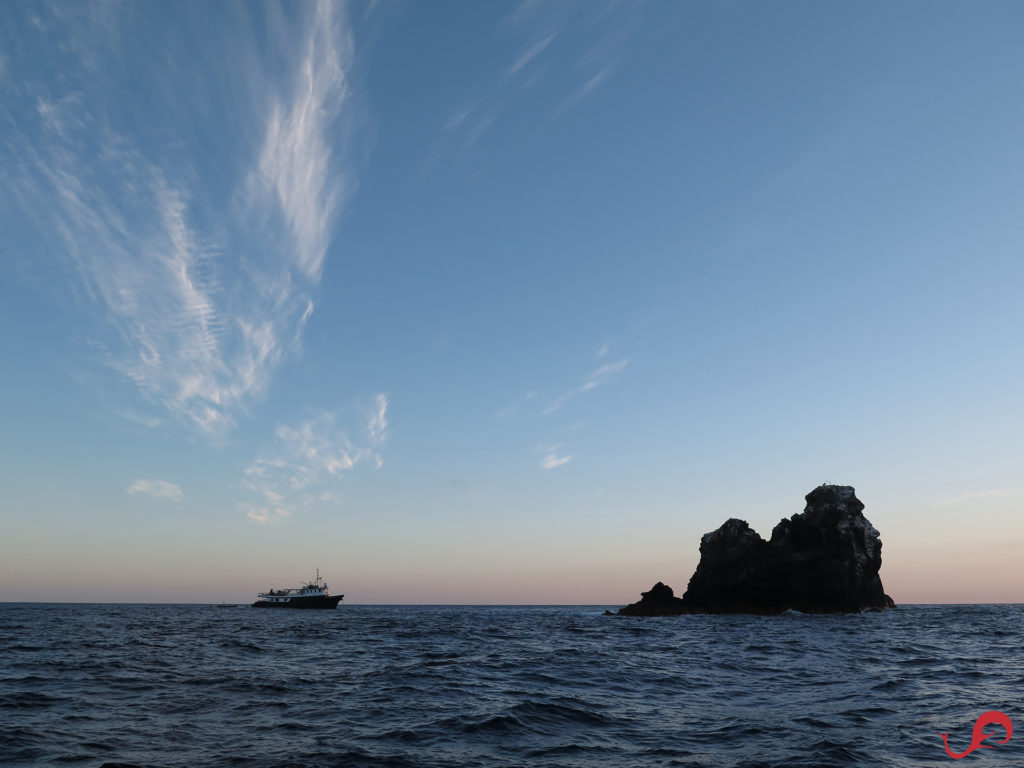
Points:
(312, 595)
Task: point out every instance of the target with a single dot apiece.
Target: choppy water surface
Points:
(119, 685)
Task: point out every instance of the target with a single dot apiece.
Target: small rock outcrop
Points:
(824, 560)
(658, 601)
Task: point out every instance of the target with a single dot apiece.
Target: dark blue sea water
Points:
(156, 685)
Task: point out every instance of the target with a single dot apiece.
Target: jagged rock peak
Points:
(731, 528)
(833, 500)
(823, 560)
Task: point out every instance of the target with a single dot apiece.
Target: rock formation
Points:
(659, 601)
(825, 560)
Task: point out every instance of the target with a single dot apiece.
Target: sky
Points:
(504, 302)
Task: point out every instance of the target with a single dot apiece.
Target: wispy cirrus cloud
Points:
(176, 335)
(308, 460)
(552, 460)
(158, 489)
(532, 46)
(588, 87)
(510, 410)
(194, 309)
(377, 426)
(592, 381)
(554, 455)
(531, 53)
(151, 422)
(295, 161)
(55, 115)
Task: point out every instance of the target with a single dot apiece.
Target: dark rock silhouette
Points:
(659, 601)
(824, 560)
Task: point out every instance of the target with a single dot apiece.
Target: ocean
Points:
(464, 686)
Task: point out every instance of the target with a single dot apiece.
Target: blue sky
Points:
(504, 302)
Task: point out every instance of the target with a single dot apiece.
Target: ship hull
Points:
(308, 601)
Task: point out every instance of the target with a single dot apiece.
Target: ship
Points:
(312, 595)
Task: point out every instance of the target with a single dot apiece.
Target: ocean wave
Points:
(31, 700)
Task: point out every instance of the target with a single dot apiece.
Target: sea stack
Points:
(823, 560)
(659, 600)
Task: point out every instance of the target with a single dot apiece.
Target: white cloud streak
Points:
(377, 427)
(295, 162)
(307, 462)
(586, 89)
(531, 53)
(158, 489)
(152, 422)
(510, 410)
(553, 461)
(592, 381)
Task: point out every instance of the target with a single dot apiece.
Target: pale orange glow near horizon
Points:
(930, 555)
